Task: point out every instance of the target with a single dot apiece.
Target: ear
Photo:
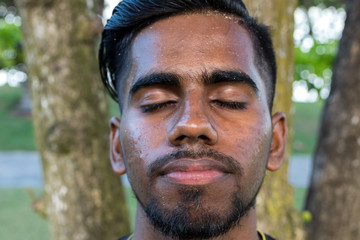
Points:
(279, 134)
(116, 158)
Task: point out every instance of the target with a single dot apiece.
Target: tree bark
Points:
(84, 198)
(275, 203)
(334, 194)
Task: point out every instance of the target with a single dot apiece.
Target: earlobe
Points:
(116, 158)
(278, 143)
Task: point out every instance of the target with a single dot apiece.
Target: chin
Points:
(192, 217)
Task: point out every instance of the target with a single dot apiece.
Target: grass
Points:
(17, 220)
(306, 122)
(16, 133)
(131, 204)
(300, 198)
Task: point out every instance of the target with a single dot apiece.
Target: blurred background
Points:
(318, 30)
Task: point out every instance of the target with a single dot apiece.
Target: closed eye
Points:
(156, 107)
(230, 105)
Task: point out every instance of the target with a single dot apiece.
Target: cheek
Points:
(139, 139)
(252, 151)
(132, 146)
(257, 150)
(259, 144)
(248, 141)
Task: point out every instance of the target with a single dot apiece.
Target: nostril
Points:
(203, 137)
(180, 138)
(188, 139)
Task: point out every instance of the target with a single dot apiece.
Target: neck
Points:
(246, 229)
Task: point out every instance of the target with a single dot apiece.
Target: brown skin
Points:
(196, 115)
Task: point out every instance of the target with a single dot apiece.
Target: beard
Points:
(191, 218)
(193, 221)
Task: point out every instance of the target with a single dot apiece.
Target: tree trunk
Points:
(275, 203)
(334, 195)
(84, 198)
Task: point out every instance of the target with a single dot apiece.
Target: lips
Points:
(194, 171)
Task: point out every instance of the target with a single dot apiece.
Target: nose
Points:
(192, 126)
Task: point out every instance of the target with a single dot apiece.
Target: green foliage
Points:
(11, 51)
(307, 216)
(315, 66)
(317, 33)
(319, 58)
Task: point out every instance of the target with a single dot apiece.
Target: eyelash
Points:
(156, 107)
(230, 105)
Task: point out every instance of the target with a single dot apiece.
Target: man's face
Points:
(195, 132)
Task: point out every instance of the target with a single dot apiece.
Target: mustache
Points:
(231, 163)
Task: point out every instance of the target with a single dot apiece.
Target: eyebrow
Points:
(173, 79)
(219, 76)
(166, 79)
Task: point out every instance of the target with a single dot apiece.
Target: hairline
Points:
(262, 69)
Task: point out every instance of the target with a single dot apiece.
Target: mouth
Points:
(194, 171)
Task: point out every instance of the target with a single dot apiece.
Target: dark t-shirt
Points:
(126, 237)
(269, 238)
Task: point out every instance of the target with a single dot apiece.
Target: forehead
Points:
(191, 44)
(193, 38)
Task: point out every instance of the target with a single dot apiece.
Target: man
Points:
(195, 83)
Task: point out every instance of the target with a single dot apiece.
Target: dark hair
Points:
(131, 16)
